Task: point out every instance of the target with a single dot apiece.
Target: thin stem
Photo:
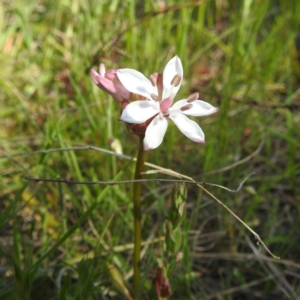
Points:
(137, 186)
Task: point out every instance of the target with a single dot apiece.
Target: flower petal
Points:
(173, 68)
(177, 105)
(140, 111)
(155, 132)
(188, 127)
(200, 108)
(136, 82)
(102, 70)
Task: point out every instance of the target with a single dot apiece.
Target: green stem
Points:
(137, 186)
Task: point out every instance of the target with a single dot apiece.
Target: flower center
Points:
(166, 114)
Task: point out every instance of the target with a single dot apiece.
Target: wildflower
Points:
(110, 83)
(160, 91)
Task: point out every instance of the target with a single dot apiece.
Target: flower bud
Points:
(110, 83)
(162, 284)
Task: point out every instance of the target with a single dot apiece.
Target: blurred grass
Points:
(241, 56)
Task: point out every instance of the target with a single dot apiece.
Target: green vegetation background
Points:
(241, 56)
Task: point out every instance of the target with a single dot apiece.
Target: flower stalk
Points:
(137, 186)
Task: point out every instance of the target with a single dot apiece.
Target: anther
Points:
(193, 97)
(186, 107)
(176, 80)
(154, 97)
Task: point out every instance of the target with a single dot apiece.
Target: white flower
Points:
(160, 91)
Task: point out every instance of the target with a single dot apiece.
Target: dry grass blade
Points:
(163, 171)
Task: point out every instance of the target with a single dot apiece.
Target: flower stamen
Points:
(154, 97)
(153, 79)
(160, 85)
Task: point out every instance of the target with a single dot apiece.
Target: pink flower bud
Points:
(110, 83)
(162, 284)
